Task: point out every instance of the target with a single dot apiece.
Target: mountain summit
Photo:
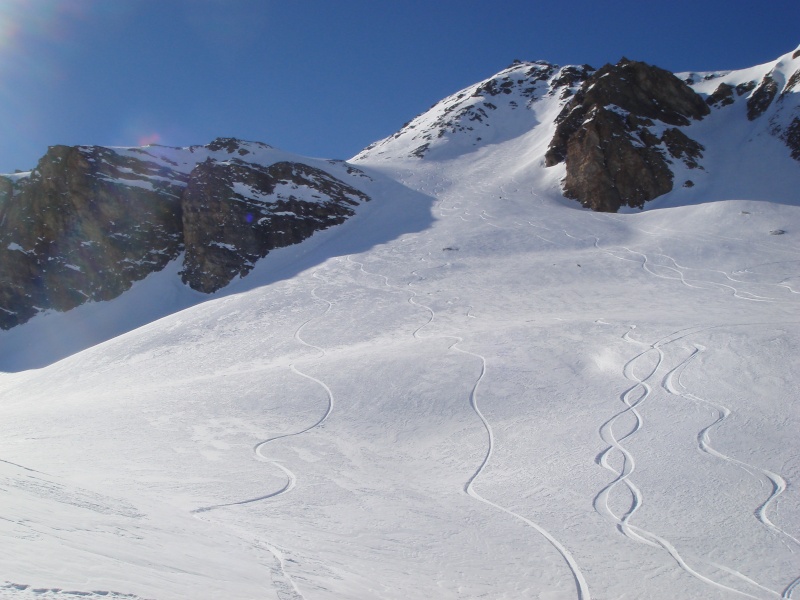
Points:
(626, 133)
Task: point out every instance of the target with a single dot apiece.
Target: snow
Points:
(473, 388)
(472, 118)
(183, 160)
(282, 191)
(230, 247)
(137, 183)
(15, 177)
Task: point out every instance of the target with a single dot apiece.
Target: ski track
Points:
(285, 586)
(787, 593)
(291, 479)
(580, 581)
(8, 462)
(681, 270)
(678, 269)
(633, 398)
(673, 385)
(646, 263)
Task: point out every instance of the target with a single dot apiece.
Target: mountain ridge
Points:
(89, 221)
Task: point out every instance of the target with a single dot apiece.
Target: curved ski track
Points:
(679, 271)
(582, 587)
(633, 397)
(638, 393)
(291, 479)
(580, 580)
(285, 585)
(673, 385)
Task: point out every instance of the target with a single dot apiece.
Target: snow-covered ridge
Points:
(491, 111)
(770, 92)
(526, 100)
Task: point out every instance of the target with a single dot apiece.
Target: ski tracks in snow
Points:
(291, 479)
(677, 272)
(284, 585)
(469, 487)
(673, 385)
(653, 357)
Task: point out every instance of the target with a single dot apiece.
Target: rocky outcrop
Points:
(84, 225)
(568, 78)
(792, 85)
(792, 138)
(779, 110)
(722, 96)
(234, 213)
(605, 134)
(762, 97)
(6, 190)
(88, 222)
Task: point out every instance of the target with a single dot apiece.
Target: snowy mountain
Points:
(472, 387)
(87, 222)
(626, 133)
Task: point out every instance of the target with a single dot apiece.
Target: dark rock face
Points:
(84, 226)
(605, 171)
(683, 147)
(761, 98)
(612, 157)
(569, 77)
(779, 109)
(6, 190)
(234, 213)
(722, 96)
(90, 221)
(792, 84)
(763, 102)
(792, 138)
(746, 87)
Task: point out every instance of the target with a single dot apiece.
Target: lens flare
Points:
(148, 139)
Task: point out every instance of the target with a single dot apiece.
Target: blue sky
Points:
(321, 78)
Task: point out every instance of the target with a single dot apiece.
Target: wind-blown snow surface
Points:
(514, 399)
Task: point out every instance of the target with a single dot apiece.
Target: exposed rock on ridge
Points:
(774, 99)
(228, 227)
(608, 135)
(90, 221)
(85, 225)
(762, 97)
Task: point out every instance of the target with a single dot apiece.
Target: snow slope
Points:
(472, 389)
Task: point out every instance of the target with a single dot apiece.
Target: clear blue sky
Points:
(327, 77)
